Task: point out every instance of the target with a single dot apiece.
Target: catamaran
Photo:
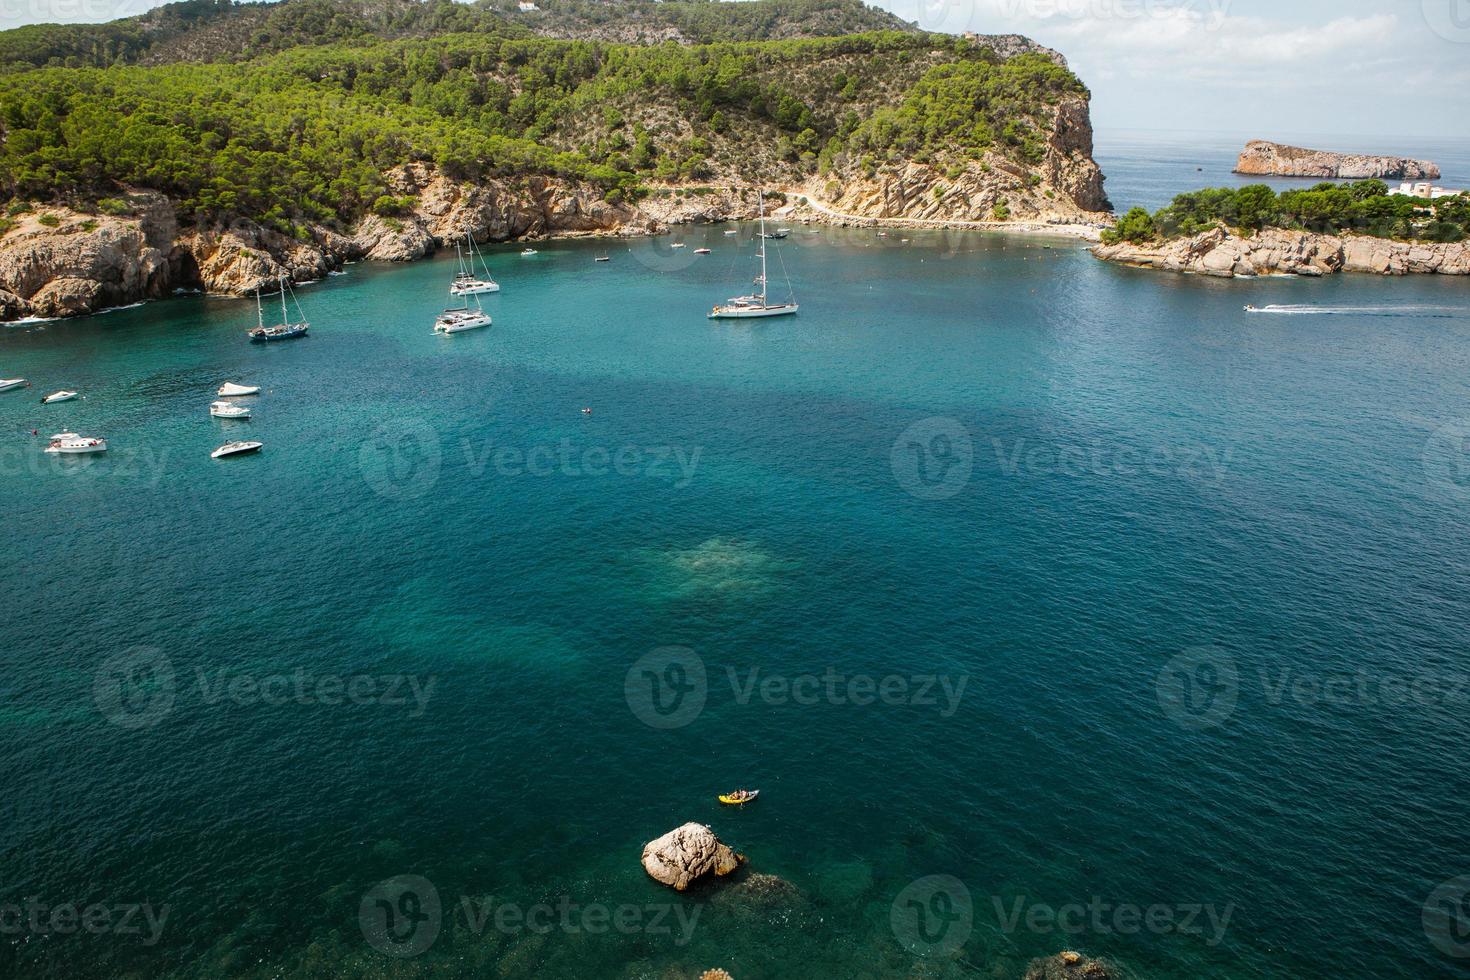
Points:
(458, 319)
(759, 304)
(466, 283)
(285, 330)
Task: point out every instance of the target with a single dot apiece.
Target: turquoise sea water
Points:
(1183, 561)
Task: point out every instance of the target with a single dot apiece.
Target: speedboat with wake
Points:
(58, 396)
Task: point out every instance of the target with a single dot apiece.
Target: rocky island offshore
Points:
(1263, 158)
(308, 133)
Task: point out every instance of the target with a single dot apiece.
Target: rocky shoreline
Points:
(1221, 253)
(57, 262)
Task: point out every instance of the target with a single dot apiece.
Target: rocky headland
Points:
(1223, 253)
(1267, 159)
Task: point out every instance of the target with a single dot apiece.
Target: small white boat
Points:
(473, 287)
(701, 251)
(71, 444)
(235, 449)
(231, 390)
(58, 396)
(528, 251)
(12, 383)
(602, 258)
(732, 231)
(676, 245)
(228, 410)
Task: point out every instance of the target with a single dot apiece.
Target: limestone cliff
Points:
(1067, 186)
(1279, 160)
(59, 262)
(1275, 252)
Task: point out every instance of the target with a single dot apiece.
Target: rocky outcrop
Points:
(687, 854)
(1269, 159)
(1065, 188)
(1069, 965)
(1218, 252)
(59, 262)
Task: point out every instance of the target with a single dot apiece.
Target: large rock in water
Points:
(1269, 159)
(1069, 966)
(686, 854)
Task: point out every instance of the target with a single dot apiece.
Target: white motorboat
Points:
(676, 245)
(759, 304)
(71, 444)
(10, 384)
(466, 282)
(732, 231)
(228, 410)
(58, 396)
(528, 251)
(235, 449)
(603, 258)
(701, 251)
(231, 390)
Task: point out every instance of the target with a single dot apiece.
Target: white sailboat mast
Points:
(285, 318)
(761, 196)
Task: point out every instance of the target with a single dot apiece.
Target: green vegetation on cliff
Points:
(1364, 208)
(306, 133)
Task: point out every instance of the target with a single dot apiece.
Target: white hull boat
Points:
(235, 449)
(740, 311)
(759, 304)
(228, 410)
(458, 321)
(231, 390)
(469, 282)
(12, 383)
(58, 396)
(525, 252)
(473, 287)
(71, 444)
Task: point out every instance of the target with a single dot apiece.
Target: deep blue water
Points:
(1081, 491)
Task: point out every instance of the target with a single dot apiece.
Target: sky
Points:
(1391, 70)
(1384, 69)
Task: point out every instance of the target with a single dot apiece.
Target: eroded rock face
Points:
(1277, 252)
(1066, 187)
(686, 854)
(1280, 160)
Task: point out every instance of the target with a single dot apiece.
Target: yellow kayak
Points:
(739, 797)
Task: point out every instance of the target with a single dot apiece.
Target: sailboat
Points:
(285, 330)
(759, 304)
(458, 319)
(466, 283)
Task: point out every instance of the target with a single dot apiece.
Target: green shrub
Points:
(49, 220)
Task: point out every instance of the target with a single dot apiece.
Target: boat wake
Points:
(1415, 311)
